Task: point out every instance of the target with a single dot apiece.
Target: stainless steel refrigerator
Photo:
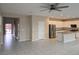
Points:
(52, 31)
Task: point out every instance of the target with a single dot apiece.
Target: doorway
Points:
(10, 30)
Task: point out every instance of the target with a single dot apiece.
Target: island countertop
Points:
(66, 36)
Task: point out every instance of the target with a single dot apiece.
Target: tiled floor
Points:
(41, 47)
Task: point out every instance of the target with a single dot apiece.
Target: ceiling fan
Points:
(53, 6)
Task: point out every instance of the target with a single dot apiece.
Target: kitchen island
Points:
(67, 36)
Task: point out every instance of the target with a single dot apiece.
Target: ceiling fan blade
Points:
(63, 7)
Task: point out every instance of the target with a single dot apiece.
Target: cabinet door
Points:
(77, 35)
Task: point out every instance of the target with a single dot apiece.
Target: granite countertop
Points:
(66, 31)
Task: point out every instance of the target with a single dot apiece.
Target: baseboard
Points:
(37, 39)
(24, 40)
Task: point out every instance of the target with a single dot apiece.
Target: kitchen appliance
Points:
(74, 27)
(52, 31)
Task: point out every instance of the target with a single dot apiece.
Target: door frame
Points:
(3, 25)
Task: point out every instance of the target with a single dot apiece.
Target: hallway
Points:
(41, 47)
(8, 40)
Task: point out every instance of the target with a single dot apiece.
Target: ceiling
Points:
(34, 9)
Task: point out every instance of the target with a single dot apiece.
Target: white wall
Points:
(38, 27)
(41, 28)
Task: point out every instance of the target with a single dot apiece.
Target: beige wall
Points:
(1, 31)
(25, 28)
(68, 23)
(47, 28)
(57, 23)
(34, 28)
